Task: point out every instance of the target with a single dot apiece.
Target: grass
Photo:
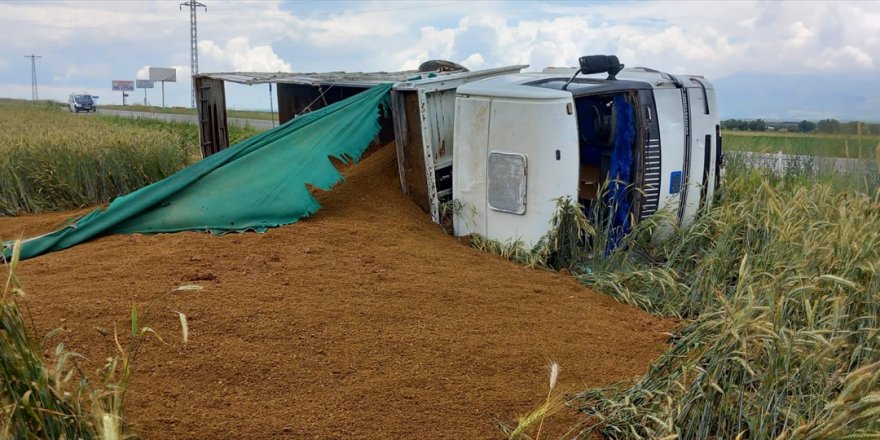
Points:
(778, 287)
(810, 144)
(781, 300)
(53, 160)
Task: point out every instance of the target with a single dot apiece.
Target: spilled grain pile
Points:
(363, 321)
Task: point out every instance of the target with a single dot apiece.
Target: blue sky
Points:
(86, 44)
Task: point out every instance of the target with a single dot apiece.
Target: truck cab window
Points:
(599, 136)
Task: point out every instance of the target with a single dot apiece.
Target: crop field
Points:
(244, 114)
(810, 144)
(53, 160)
(778, 287)
(761, 320)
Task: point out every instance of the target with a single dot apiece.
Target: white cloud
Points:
(747, 23)
(46, 91)
(433, 43)
(347, 28)
(704, 37)
(240, 56)
(69, 23)
(184, 73)
(474, 61)
(72, 71)
(560, 41)
(143, 73)
(749, 35)
(845, 56)
(859, 56)
(800, 34)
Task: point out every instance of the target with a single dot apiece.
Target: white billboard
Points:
(121, 85)
(163, 74)
(143, 84)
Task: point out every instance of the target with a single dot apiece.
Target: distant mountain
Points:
(794, 97)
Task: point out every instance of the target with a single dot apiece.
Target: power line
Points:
(193, 42)
(34, 94)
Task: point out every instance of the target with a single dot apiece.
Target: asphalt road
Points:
(779, 162)
(259, 124)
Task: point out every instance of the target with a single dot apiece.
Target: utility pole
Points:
(271, 105)
(34, 94)
(193, 41)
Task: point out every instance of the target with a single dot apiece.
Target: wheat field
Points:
(54, 160)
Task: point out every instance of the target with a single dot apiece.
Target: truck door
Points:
(531, 161)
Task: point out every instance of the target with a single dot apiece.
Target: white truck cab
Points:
(496, 148)
(524, 140)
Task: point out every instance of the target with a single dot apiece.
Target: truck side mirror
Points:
(597, 64)
(600, 63)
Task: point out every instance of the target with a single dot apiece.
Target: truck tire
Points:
(441, 66)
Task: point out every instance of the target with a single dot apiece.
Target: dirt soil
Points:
(363, 321)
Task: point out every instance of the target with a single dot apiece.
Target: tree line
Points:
(830, 126)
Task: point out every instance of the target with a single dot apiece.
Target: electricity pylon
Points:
(193, 42)
(34, 94)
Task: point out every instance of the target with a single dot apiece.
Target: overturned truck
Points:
(503, 145)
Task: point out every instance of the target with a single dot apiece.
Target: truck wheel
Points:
(441, 66)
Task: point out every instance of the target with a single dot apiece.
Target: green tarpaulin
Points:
(257, 184)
